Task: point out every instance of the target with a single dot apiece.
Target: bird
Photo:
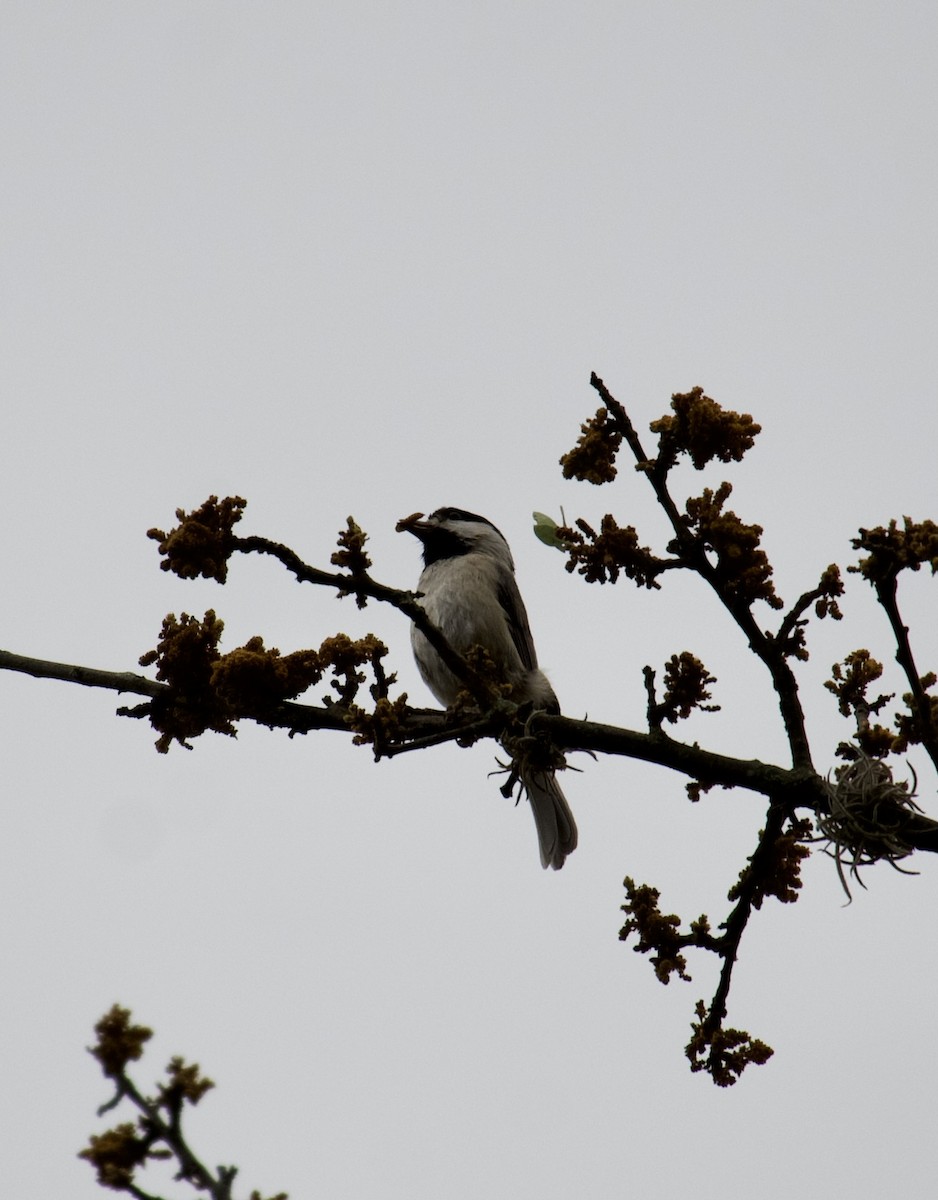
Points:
(468, 590)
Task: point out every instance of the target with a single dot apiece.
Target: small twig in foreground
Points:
(120, 1153)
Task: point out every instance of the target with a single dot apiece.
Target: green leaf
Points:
(545, 528)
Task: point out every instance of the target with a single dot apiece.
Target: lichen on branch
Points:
(203, 541)
(850, 682)
(776, 872)
(742, 568)
(703, 430)
(657, 934)
(687, 684)
(212, 691)
(600, 557)
(118, 1041)
(185, 656)
(891, 549)
(121, 1153)
(352, 558)
(723, 1053)
(593, 458)
(867, 816)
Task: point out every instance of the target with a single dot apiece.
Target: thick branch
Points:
(434, 726)
(302, 718)
(799, 786)
(115, 681)
(423, 728)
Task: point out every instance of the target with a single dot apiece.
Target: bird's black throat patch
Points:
(440, 542)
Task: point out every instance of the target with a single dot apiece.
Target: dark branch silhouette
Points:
(119, 1154)
(857, 809)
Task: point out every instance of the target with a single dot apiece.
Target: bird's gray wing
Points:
(510, 599)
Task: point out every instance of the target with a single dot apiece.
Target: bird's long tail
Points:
(556, 828)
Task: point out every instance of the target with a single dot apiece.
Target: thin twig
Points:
(792, 618)
(170, 1132)
(460, 733)
(735, 924)
(886, 593)
(361, 584)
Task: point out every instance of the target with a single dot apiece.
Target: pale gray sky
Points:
(361, 258)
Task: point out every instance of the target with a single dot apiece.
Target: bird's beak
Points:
(413, 524)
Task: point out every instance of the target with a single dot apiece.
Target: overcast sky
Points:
(361, 258)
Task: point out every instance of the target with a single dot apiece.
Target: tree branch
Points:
(361, 585)
(422, 728)
(887, 594)
(763, 646)
(115, 681)
(119, 1153)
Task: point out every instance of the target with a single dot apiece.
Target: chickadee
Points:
(469, 592)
